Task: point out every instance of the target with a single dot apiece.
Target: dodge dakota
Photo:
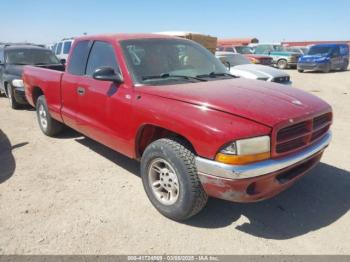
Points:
(197, 130)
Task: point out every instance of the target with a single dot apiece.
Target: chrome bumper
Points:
(214, 168)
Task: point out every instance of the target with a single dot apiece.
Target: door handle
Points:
(81, 90)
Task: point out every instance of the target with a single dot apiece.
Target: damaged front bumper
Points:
(260, 180)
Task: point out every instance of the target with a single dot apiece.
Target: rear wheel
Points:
(12, 100)
(345, 66)
(300, 70)
(282, 64)
(48, 125)
(169, 177)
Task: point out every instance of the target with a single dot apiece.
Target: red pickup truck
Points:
(197, 130)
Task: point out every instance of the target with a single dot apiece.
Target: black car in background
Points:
(13, 57)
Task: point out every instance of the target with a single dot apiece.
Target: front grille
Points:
(282, 79)
(302, 134)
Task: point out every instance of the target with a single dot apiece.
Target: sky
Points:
(47, 21)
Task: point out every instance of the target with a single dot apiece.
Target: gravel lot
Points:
(71, 195)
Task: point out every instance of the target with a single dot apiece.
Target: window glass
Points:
(243, 49)
(54, 48)
(320, 50)
(234, 59)
(31, 57)
(229, 49)
(2, 55)
(101, 55)
(59, 48)
(149, 59)
(66, 47)
(77, 63)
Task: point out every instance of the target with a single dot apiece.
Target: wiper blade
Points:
(213, 75)
(162, 76)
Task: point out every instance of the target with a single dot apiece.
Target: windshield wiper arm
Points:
(175, 76)
(213, 74)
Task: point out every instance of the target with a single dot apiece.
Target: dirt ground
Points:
(71, 195)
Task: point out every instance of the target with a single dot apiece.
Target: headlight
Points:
(17, 83)
(245, 151)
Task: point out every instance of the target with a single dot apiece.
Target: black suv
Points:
(13, 57)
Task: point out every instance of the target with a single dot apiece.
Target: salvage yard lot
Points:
(71, 195)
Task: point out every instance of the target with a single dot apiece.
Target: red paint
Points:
(208, 114)
(257, 188)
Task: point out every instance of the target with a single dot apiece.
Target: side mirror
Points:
(63, 61)
(107, 74)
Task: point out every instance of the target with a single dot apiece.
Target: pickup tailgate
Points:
(47, 81)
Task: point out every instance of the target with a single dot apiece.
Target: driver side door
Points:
(104, 106)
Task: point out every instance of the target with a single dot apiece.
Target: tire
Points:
(300, 70)
(12, 100)
(169, 165)
(48, 125)
(327, 69)
(345, 66)
(282, 64)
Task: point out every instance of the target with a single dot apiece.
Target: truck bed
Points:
(45, 77)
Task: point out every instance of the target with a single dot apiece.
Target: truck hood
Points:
(259, 101)
(259, 70)
(284, 53)
(15, 70)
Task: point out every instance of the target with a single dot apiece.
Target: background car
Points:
(281, 58)
(13, 57)
(62, 48)
(247, 52)
(325, 57)
(303, 50)
(241, 66)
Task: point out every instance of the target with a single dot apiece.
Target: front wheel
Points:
(169, 177)
(327, 68)
(48, 125)
(300, 70)
(282, 64)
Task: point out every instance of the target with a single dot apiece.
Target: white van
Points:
(62, 48)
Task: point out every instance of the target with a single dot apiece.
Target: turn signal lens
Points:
(241, 160)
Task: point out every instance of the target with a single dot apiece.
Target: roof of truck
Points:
(119, 37)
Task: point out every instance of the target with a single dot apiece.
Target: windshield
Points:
(319, 50)
(244, 49)
(30, 57)
(234, 60)
(155, 61)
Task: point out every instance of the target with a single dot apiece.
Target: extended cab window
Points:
(77, 63)
(101, 55)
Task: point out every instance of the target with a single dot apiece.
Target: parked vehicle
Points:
(242, 67)
(302, 50)
(197, 129)
(13, 57)
(62, 48)
(247, 52)
(282, 59)
(325, 57)
(209, 42)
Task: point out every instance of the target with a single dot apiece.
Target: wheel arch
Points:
(36, 92)
(149, 133)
